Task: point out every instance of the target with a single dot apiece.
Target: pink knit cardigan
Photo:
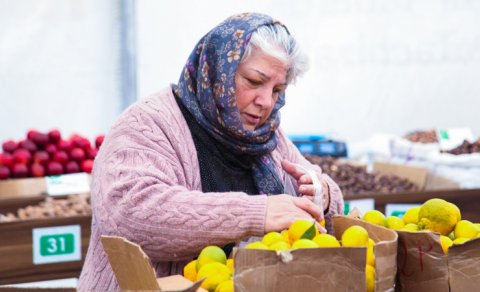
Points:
(147, 188)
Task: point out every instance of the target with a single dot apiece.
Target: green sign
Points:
(57, 244)
(346, 208)
(398, 213)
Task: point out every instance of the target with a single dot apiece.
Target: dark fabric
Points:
(220, 169)
(207, 89)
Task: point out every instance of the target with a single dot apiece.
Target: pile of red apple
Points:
(46, 154)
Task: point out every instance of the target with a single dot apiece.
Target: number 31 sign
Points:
(57, 244)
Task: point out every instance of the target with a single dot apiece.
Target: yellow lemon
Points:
(370, 278)
(304, 243)
(271, 237)
(190, 271)
(285, 236)
(211, 254)
(230, 264)
(256, 245)
(438, 215)
(355, 236)
(322, 222)
(466, 229)
(477, 225)
(370, 253)
(326, 240)
(281, 245)
(412, 227)
(411, 216)
(214, 274)
(302, 228)
(374, 217)
(394, 222)
(446, 243)
(460, 240)
(225, 286)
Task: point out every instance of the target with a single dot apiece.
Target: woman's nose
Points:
(264, 98)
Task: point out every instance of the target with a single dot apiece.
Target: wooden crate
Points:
(16, 251)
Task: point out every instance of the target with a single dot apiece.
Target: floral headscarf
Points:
(207, 89)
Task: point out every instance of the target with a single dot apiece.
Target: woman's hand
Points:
(283, 210)
(305, 184)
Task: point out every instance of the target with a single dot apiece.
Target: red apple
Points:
(60, 157)
(19, 170)
(6, 159)
(77, 154)
(9, 146)
(65, 145)
(40, 139)
(41, 157)
(31, 133)
(99, 141)
(37, 170)
(51, 149)
(72, 167)
(87, 166)
(54, 136)
(28, 145)
(92, 153)
(80, 142)
(22, 156)
(54, 168)
(4, 172)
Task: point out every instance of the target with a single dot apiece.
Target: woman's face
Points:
(259, 80)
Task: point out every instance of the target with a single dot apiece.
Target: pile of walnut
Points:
(356, 180)
(73, 205)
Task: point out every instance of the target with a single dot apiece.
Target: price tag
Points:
(398, 209)
(363, 205)
(56, 244)
(67, 184)
(453, 137)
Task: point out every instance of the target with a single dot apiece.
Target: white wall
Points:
(58, 66)
(376, 66)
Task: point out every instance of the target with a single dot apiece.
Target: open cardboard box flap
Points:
(133, 270)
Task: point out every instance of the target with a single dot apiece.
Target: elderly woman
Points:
(204, 161)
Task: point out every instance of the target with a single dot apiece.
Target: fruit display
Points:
(73, 205)
(434, 215)
(465, 148)
(425, 137)
(46, 154)
(213, 265)
(305, 234)
(356, 180)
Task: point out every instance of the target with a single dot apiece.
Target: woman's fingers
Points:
(307, 205)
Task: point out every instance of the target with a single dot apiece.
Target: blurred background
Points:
(375, 66)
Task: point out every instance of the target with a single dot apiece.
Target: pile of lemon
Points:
(213, 265)
(435, 215)
(304, 234)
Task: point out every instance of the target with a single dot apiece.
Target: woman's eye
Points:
(254, 82)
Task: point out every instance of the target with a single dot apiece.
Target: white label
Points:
(453, 137)
(363, 205)
(67, 184)
(56, 244)
(398, 209)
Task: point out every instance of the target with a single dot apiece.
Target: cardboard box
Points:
(321, 269)
(133, 270)
(422, 265)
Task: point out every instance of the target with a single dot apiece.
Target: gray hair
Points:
(275, 41)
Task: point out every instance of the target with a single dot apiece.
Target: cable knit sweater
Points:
(147, 188)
